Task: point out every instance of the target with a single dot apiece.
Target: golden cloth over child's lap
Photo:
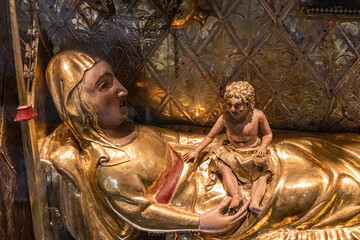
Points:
(244, 162)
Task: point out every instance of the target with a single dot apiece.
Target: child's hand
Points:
(261, 151)
(188, 156)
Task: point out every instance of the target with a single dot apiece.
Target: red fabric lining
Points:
(167, 187)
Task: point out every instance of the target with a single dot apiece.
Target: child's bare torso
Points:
(243, 133)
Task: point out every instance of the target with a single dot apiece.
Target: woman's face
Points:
(106, 94)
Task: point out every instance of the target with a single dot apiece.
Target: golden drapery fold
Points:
(315, 188)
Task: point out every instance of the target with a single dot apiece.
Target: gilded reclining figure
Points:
(127, 177)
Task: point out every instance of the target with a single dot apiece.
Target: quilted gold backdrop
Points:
(305, 71)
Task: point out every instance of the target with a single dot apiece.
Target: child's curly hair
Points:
(241, 90)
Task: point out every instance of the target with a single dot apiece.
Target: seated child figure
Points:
(243, 156)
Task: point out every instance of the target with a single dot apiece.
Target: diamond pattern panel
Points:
(55, 20)
(196, 96)
(349, 93)
(146, 25)
(146, 95)
(221, 62)
(250, 22)
(222, 7)
(303, 31)
(214, 114)
(197, 36)
(87, 25)
(303, 96)
(164, 64)
(352, 31)
(278, 5)
(274, 60)
(340, 119)
(303, 69)
(278, 115)
(332, 57)
(125, 57)
(172, 111)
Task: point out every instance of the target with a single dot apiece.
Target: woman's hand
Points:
(214, 220)
(192, 155)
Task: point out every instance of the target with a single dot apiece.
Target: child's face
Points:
(236, 107)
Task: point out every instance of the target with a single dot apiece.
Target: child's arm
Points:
(215, 130)
(267, 135)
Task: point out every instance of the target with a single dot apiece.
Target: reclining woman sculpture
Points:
(125, 177)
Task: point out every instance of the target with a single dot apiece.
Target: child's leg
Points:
(257, 192)
(230, 183)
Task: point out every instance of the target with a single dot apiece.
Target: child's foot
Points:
(255, 208)
(235, 202)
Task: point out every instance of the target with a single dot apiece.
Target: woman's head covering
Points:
(63, 74)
